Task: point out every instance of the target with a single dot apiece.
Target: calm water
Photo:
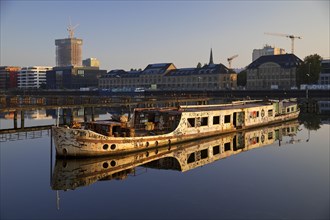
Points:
(266, 181)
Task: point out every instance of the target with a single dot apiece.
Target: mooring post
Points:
(58, 117)
(64, 115)
(15, 119)
(71, 116)
(22, 119)
(92, 108)
(51, 157)
(129, 111)
(85, 116)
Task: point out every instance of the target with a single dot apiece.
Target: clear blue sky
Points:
(132, 34)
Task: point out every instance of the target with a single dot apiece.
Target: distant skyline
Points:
(133, 34)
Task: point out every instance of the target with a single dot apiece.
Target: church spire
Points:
(211, 58)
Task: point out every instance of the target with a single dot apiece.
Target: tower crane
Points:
(230, 59)
(70, 29)
(291, 36)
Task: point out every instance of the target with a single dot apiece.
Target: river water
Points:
(283, 175)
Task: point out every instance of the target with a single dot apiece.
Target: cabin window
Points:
(227, 118)
(288, 110)
(191, 158)
(216, 150)
(204, 121)
(204, 153)
(270, 135)
(270, 113)
(216, 120)
(227, 146)
(257, 113)
(292, 109)
(191, 122)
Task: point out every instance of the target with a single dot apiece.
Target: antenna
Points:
(70, 29)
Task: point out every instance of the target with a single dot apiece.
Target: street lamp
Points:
(308, 75)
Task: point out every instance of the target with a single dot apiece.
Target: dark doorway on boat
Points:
(238, 119)
(235, 119)
(234, 141)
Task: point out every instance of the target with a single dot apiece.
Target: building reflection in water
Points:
(73, 173)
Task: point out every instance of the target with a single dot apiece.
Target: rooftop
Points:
(284, 60)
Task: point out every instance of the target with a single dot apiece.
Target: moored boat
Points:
(155, 127)
(71, 173)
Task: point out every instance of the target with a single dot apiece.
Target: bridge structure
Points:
(18, 102)
(64, 106)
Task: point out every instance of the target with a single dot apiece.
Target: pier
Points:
(64, 103)
(65, 106)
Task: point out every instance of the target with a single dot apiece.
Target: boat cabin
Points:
(110, 128)
(156, 120)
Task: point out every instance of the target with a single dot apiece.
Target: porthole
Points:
(113, 163)
(156, 143)
(105, 165)
(113, 146)
(156, 151)
(147, 154)
(147, 144)
(105, 147)
(65, 151)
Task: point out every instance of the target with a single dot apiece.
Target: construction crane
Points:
(70, 29)
(291, 36)
(230, 59)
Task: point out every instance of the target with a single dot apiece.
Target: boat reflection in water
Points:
(73, 173)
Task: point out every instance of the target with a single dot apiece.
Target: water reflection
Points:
(73, 173)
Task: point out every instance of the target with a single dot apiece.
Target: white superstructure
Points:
(32, 77)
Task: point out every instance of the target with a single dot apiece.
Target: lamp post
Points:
(308, 75)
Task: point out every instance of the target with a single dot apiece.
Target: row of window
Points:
(148, 80)
(290, 109)
(204, 121)
(274, 76)
(272, 70)
(262, 83)
(203, 154)
(164, 80)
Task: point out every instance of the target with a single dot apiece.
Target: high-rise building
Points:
(91, 62)
(267, 50)
(68, 50)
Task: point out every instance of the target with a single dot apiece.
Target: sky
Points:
(133, 34)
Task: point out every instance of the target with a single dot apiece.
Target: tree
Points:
(241, 78)
(199, 65)
(310, 121)
(309, 71)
